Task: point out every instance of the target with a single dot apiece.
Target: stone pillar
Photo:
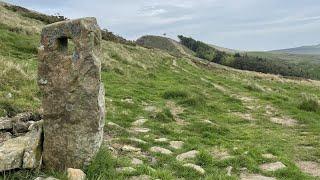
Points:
(69, 77)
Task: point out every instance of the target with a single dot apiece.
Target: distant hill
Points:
(306, 66)
(308, 50)
(169, 45)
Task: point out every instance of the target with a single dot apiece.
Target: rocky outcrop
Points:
(21, 150)
(69, 77)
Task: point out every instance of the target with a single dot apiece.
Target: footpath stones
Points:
(161, 150)
(309, 167)
(272, 166)
(73, 94)
(129, 148)
(176, 144)
(246, 176)
(195, 167)
(187, 155)
(5, 123)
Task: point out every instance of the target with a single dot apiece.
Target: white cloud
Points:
(242, 23)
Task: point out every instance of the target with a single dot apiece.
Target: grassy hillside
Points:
(304, 50)
(231, 117)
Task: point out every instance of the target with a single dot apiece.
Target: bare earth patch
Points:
(175, 109)
(176, 144)
(220, 154)
(285, 121)
(245, 116)
(309, 167)
(246, 176)
(272, 166)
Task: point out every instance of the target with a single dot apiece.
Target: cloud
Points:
(240, 24)
(151, 11)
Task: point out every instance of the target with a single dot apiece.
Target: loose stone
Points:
(130, 148)
(76, 174)
(160, 150)
(176, 144)
(187, 155)
(272, 166)
(195, 167)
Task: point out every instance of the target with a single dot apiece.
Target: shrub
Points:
(34, 15)
(175, 94)
(10, 109)
(164, 116)
(309, 103)
(109, 36)
(194, 101)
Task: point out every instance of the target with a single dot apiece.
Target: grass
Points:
(309, 103)
(196, 94)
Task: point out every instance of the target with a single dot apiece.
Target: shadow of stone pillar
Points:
(69, 77)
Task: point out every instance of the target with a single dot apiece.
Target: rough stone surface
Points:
(23, 151)
(161, 150)
(309, 167)
(73, 94)
(129, 148)
(195, 167)
(187, 155)
(5, 123)
(76, 174)
(11, 154)
(245, 176)
(272, 166)
(5, 136)
(33, 152)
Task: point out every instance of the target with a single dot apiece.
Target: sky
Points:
(238, 24)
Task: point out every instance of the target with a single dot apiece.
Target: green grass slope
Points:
(230, 117)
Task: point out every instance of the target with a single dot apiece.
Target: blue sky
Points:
(237, 24)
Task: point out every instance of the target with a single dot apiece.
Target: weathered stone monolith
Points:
(73, 94)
